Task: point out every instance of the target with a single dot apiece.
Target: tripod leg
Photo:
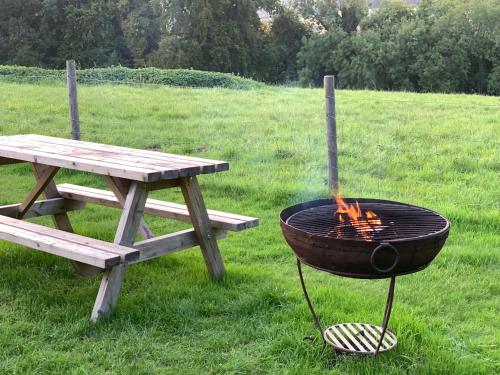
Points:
(387, 313)
(306, 296)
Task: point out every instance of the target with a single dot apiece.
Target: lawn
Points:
(439, 151)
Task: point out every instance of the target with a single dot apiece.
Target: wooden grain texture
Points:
(43, 179)
(170, 243)
(120, 189)
(331, 134)
(4, 161)
(61, 220)
(74, 115)
(67, 245)
(132, 164)
(201, 224)
(218, 219)
(125, 253)
(168, 169)
(206, 165)
(10, 149)
(163, 184)
(133, 209)
(53, 206)
(109, 290)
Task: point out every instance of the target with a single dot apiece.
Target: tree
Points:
(140, 24)
(325, 14)
(283, 40)
(89, 33)
(220, 35)
(20, 41)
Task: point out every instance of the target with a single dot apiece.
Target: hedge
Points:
(121, 75)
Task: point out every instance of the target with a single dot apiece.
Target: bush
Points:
(121, 75)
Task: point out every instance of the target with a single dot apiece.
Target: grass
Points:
(439, 151)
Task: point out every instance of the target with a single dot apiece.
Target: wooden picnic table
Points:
(131, 174)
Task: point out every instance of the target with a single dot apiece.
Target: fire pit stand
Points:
(356, 338)
(403, 239)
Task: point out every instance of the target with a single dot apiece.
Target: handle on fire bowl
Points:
(384, 246)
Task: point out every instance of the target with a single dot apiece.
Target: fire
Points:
(365, 222)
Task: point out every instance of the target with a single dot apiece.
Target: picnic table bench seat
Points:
(68, 245)
(218, 219)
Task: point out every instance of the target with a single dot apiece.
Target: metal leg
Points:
(387, 312)
(306, 295)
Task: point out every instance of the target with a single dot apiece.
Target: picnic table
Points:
(130, 174)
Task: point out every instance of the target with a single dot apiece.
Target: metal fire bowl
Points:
(359, 258)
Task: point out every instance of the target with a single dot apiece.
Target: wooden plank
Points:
(111, 282)
(168, 169)
(170, 243)
(135, 159)
(120, 189)
(125, 253)
(163, 184)
(4, 161)
(42, 180)
(218, 219)
(45, 207)
(207, 165)
(78, 163)
(54, 246)
(64, 152)
(201, 224)
(61, 220)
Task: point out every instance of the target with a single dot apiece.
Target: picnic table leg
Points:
(120, 187)
(109, 290)
(201, 224)
(61, 221)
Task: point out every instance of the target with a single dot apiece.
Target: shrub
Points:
(121, 75)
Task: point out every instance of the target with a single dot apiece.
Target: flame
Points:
(365, 223)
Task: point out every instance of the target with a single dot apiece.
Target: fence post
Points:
(74, 116)
(331, 134)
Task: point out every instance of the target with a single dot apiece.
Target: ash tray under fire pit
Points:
(363, 238)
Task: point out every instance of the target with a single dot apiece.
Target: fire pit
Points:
(363, 238)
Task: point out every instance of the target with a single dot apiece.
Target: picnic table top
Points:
(130, 163)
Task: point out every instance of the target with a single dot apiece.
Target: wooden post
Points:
(74, 116)
(331, 134)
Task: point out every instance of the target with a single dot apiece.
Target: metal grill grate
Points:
(360, 338)
(397, 222)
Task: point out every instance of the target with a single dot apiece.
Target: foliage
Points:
(327, 14)
(439, 46)
(282, 41)
(432, 150)
(217, 35)
(170, 77)
(443, 46)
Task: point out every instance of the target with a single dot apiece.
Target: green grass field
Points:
(439, 151)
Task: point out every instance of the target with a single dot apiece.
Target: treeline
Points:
(445, 45)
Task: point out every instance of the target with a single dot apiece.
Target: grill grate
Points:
(358, 338)
(397, 222)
